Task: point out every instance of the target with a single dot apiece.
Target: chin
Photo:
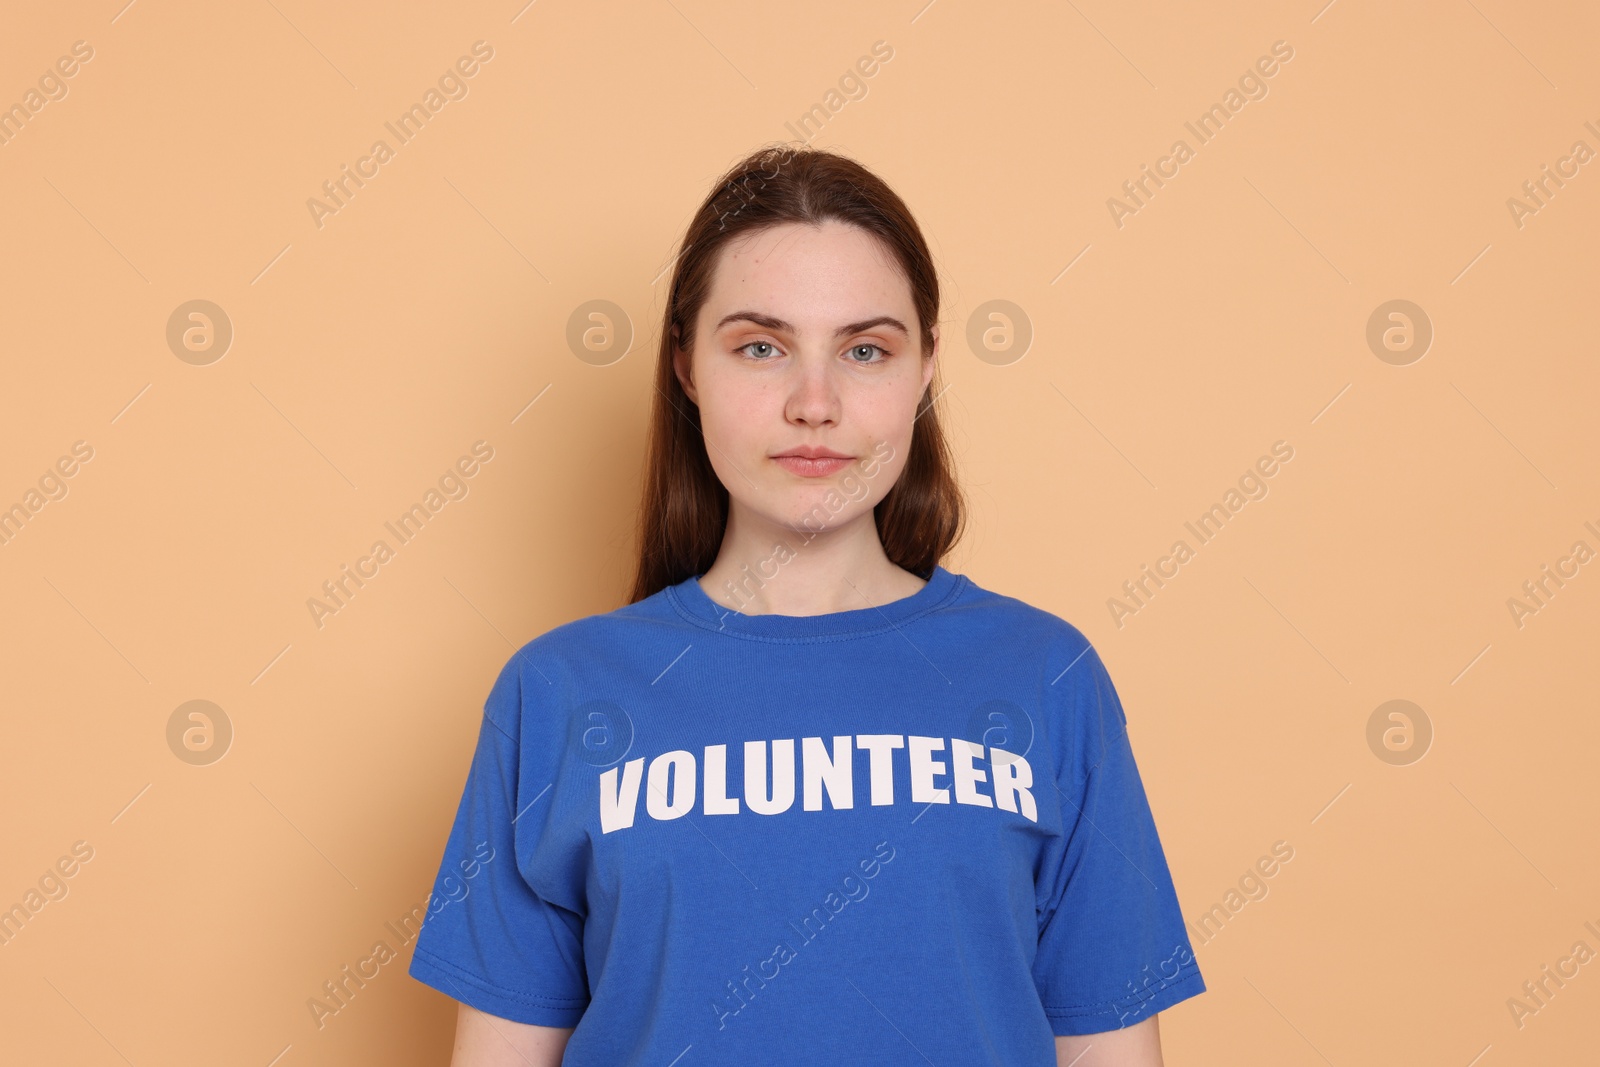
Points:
(825, 511)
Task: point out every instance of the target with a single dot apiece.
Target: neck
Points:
(767, 568)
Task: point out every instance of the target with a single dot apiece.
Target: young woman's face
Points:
(808, 340)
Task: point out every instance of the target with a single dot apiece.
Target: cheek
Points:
(890, 419)
(737, 424)
(885, 472)
(739, 433)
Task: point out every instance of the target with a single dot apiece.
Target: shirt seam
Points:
(503, 731)
(1104, 755)
(1103, 1006)
(795, 639)
(1127, 725)
(535, 999)
(1061, 796)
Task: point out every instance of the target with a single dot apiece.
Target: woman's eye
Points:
(860, 354)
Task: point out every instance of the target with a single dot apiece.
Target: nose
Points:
(813, 391)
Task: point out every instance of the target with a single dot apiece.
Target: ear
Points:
(928, 360)
(683, 367)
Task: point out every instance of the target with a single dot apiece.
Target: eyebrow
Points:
(780, 326)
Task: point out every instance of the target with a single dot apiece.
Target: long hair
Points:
(684, 511)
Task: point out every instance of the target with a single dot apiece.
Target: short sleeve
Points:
(488, 939)
(1113, 949)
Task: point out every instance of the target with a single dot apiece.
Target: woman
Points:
(809, 797)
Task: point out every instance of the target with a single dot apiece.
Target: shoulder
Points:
(1024, 625)
(1080, 708)
(1081, 705)
(611, 642)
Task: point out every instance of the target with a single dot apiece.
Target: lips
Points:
(812, 452)
(811, 462)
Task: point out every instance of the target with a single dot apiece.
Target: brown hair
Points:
(684, 512)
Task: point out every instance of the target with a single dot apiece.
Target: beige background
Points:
(1168, 354)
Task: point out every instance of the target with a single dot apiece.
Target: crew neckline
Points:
(696, 605)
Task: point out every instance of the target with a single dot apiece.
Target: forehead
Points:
(809, 275)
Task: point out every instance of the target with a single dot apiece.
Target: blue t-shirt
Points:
(891, 835)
